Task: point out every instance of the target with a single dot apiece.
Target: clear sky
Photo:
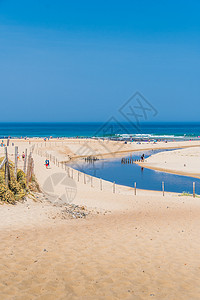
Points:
(81, 60)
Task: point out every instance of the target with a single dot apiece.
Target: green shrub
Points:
(6, 194)
(3, 189)
(21, 178)
(14, 186)
(16, 189)
(8, 197)
(1, 180)
(20, 195)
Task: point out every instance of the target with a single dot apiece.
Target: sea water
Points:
(87, 129)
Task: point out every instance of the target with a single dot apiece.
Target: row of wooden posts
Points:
(28, 167)
(58, 142)
(64, 166)
(53, 143)
(126, 161)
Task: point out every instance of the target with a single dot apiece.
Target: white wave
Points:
(151, 136)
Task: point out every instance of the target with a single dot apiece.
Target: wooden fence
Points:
(27, 168)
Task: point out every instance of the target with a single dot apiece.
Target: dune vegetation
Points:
(17, 187)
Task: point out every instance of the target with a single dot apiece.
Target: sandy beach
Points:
(182, 161)
(128, 247)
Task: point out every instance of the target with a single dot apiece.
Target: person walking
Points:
(142, 157)
(47, 163)
(23, 156)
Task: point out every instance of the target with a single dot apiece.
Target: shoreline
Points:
(194, 175)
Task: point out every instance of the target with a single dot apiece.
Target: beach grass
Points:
(16, 188)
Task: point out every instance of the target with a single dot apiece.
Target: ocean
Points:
(104, 129)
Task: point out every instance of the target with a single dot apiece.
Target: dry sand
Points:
(181, 161)
(138, 247)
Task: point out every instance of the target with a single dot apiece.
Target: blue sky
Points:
(81, 60)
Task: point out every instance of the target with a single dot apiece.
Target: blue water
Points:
(127, 174)
(173, 130)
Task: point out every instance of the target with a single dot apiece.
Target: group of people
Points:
(23, 156)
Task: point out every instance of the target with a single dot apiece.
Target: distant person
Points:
(23, 156)
(142, 157)
(47, 163)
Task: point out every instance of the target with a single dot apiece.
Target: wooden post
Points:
(72, 173)
(84, 179)
(163, 188)
(101, 186)
(7, 169)
(194, 189)
(91, 182)
(16, 154)
(113, 186)
(135, 187)
(6, 174)
(78, 175)
(25, 161)
(29, 168)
